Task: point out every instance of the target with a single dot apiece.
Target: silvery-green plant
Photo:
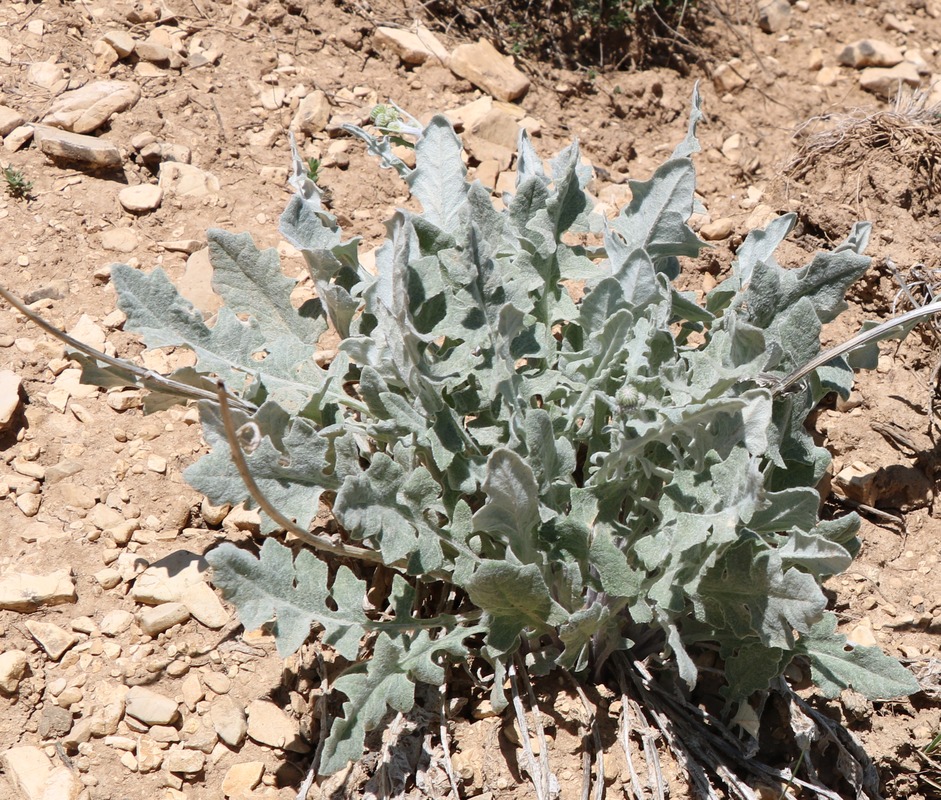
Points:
(571, 455)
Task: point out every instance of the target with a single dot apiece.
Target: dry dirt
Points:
(95, 466)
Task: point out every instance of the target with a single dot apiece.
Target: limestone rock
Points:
(412, 47)
(116, 621)
(165, 580)
(870, 53)
(6, 51)
(150, 707)
(13, 664)
(242, 778)
(857, 481)
(54, 722)
(119, 240)
(185, 180)
(185, 762)
(121, 41)
(729, 77)
(498, 127)
(886, 83)
(10, 384)
(228, 720)
(87, 109)
(35, 777)
(60, 145)
(313, 113)
(18, 137)
(774, 16)
(10, 118)
(201, 601)
(48, 75)
(716, 230)
(110, 701)
(196, 283)
(20, 591)
(485, 67)
(155, 153)
(141, 199)
(268, 724)
(51, 638)
(163, 617)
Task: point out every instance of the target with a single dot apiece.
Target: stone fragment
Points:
(108, 578)
(51, 638)
(188, 246)
(196, 283)
(857, 481)
(893, 23)
(116, 621)
(717, 229)
(485, 67)
(228, 720)
(29, 504)
(10, 384)
(498, 127)
(149, 755)
(60, 145)
(827, 76)
(774, 16)
(18, 137)
(20, 591)
(157, 54)
(13, 664)
(55, 722)
(412, 47)
(192, 691)
(268, 724)
(105, 57)
(6, 51)
(869, 53)
(121, 41)
(914, 56)
(204, 605)
(155, 153)
(163, 617)
(312, 115)
(48, 75)
(729, 77)
(109, 709)
(185, 180)
(119, 240)
(862, 634)
(10, 118)
(87, 109)
(242, 778)
(150, 707)
(141, 199)
(185, 762)
(35, 777)
(165, 580)
(887, 83)
(217, 682)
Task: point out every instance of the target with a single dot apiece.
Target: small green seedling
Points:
(17, 185)
(313, 169)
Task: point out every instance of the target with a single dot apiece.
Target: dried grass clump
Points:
(907, 135)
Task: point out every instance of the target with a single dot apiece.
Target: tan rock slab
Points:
(141, 199)
(412, 47)
(13, 664)
(36, 777)
(122, 42)
(108, 710)
(196, 283)
(165, 580)
(18, 137)
(61, 145)
(228, 720)
(21, 591)
(6, 51)
(887, 83)
(185, 180)
(150, 707)
(242, 778)
(774, 16)
(48, 75)
(268, 724)
(163, 617)
(87, 109)
(488, 69)
(185, 762)
(498, 127)
(205, 606)
(51, 638)
(717, 229)
(869, 53)
(10, 118)
(312, 115)
(729, 77)
(116, 621)
(10, 385)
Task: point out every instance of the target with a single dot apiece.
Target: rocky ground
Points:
(140, 125)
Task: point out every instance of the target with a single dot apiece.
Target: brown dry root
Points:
(719, 764)
(907, 136)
